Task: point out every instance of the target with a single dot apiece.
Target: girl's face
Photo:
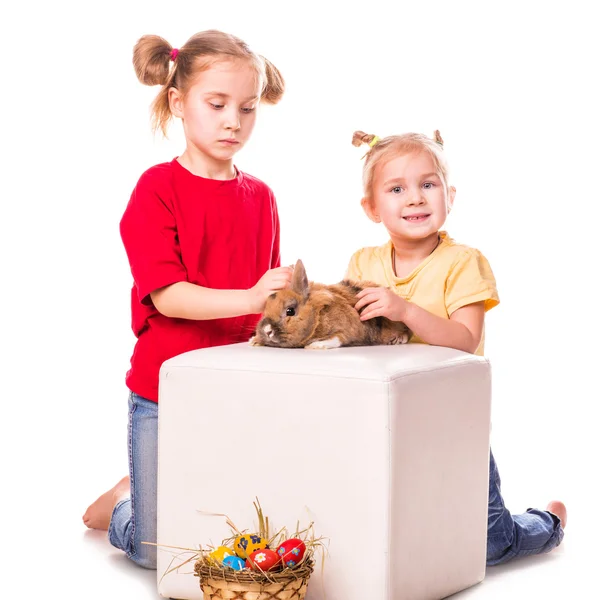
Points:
(219, 110)
(409, 197)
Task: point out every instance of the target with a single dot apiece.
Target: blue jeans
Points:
(511, 536)
(133, 520)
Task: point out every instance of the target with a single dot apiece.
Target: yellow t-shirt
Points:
(451, 277)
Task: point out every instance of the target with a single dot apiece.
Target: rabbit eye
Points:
(290, 312)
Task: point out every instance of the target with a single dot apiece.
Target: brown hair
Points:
(381, 150)
(152, 56)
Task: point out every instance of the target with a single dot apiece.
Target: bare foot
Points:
(556, 507)
(98, 514)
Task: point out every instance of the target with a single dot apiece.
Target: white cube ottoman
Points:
(384, 448)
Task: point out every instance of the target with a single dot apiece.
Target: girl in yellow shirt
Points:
(440, 289)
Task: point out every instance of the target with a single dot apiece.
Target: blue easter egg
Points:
(235, 562)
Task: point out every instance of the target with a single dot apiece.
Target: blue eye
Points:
(429, 185)
(248, 110)
(217, 106)
(396, 190)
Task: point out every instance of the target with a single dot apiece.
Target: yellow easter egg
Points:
(248, 543)
(221, 553)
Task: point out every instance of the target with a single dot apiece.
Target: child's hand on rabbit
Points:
(380, 302)
(272, 281)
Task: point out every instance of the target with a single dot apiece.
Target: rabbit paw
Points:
(399, 339)
(253, 341)
(324, 344)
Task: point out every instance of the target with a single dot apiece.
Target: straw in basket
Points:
(219, 582)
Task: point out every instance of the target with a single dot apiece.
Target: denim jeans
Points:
(512, 536)
(133, 520)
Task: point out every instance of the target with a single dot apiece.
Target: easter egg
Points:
(291, 551)
(262, 560)
(248, 543)
(221, 553)
(235, 562)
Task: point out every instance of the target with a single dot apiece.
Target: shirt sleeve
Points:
(470, 280)
(149, 233)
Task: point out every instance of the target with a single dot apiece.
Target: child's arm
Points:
(186, 300)
(462, 330)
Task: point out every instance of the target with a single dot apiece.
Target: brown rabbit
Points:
(313, 315)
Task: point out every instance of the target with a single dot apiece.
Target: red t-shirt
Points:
(181, 227)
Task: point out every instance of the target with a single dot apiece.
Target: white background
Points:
(513, 88)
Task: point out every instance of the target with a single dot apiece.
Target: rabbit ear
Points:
(299, 280)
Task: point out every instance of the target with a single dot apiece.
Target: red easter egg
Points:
(264, 560)
(291, 552)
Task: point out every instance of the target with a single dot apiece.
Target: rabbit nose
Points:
(268, 330)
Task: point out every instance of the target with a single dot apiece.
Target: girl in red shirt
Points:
(202, 239)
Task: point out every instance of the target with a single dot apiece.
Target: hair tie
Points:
(173, 54)
(374, 141)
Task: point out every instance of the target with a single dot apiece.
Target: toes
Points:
(558, 508)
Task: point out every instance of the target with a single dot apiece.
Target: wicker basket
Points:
(219, 583)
